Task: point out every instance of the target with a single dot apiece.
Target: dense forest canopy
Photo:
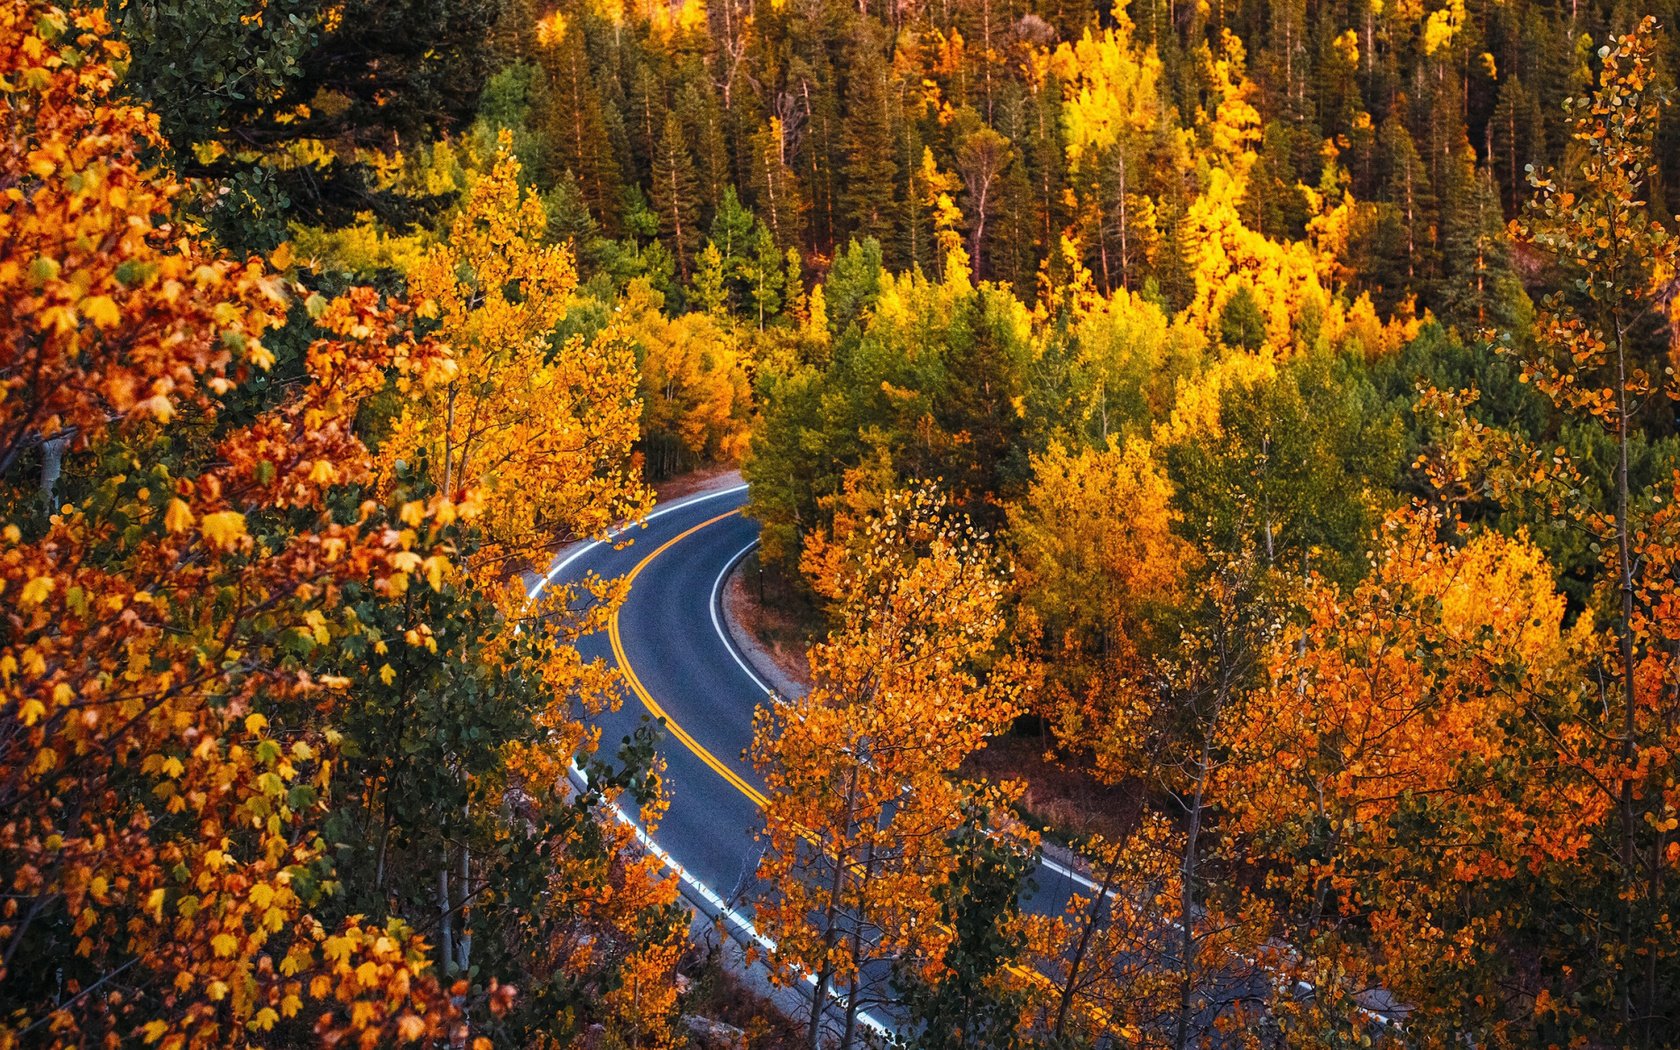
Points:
(1228, 448)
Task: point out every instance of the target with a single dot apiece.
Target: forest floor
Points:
(771, 627)
(695, 480)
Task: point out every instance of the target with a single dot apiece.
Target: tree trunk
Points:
(446, 918)
(1078, 959)
(1629, 742)
(52, 465)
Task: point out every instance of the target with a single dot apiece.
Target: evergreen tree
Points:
(1406, 238)
(698, 107)
(676, 194)
(775, 190)
(868, 189)
(1516, 136)
(762, 272)
(570, 122)
(1479, 290)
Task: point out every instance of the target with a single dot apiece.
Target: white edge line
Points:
(705, 892)
(717, 622)
(560, 564)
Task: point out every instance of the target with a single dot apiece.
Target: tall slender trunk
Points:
(446, 916)
(463, 940)
(1187, 874)
(1629, 742)
(52, 465)
(831, 926)
(449, 440)
(856, 991)
(1078, 960)
(1125, 222)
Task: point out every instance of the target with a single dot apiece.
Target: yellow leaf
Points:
(35, 591)
(224, 945)
(179, 517)
(224, 528)
(435, 566)
(255, 723)
(102, 311)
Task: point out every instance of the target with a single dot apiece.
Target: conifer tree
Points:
(1479, 290)
(868, 197)
(569, 117)
(676, 193)
(775, 189)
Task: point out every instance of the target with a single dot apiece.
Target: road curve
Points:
(682, 670)
(659, 641)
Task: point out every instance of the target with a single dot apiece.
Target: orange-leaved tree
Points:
(862, 802)
(1601, 355)
(174, 543)
(1406, 776)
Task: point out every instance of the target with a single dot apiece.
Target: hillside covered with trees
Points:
(1263, 413)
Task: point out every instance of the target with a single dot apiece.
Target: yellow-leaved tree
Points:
(541, 427)
(175, 548)
(1098, 563)
(863, 803)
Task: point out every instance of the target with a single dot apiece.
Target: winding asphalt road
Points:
(683, 670)
(669, 641)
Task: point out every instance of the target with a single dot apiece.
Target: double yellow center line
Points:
(641, 691)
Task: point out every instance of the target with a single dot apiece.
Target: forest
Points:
(1252, 427)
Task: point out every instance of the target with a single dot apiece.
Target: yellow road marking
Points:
(646, 697)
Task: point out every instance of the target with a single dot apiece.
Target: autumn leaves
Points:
(232, 632)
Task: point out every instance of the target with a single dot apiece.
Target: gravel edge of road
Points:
(745, 643)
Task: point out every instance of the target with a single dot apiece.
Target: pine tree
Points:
(676, 194)
(569, 118)
(1517, 140)
(764, 277)
(1480, 289)
(868, 198)
(1407, 237)
(698, 107)
(775, 190)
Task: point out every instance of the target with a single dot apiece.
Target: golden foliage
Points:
(540, 429)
